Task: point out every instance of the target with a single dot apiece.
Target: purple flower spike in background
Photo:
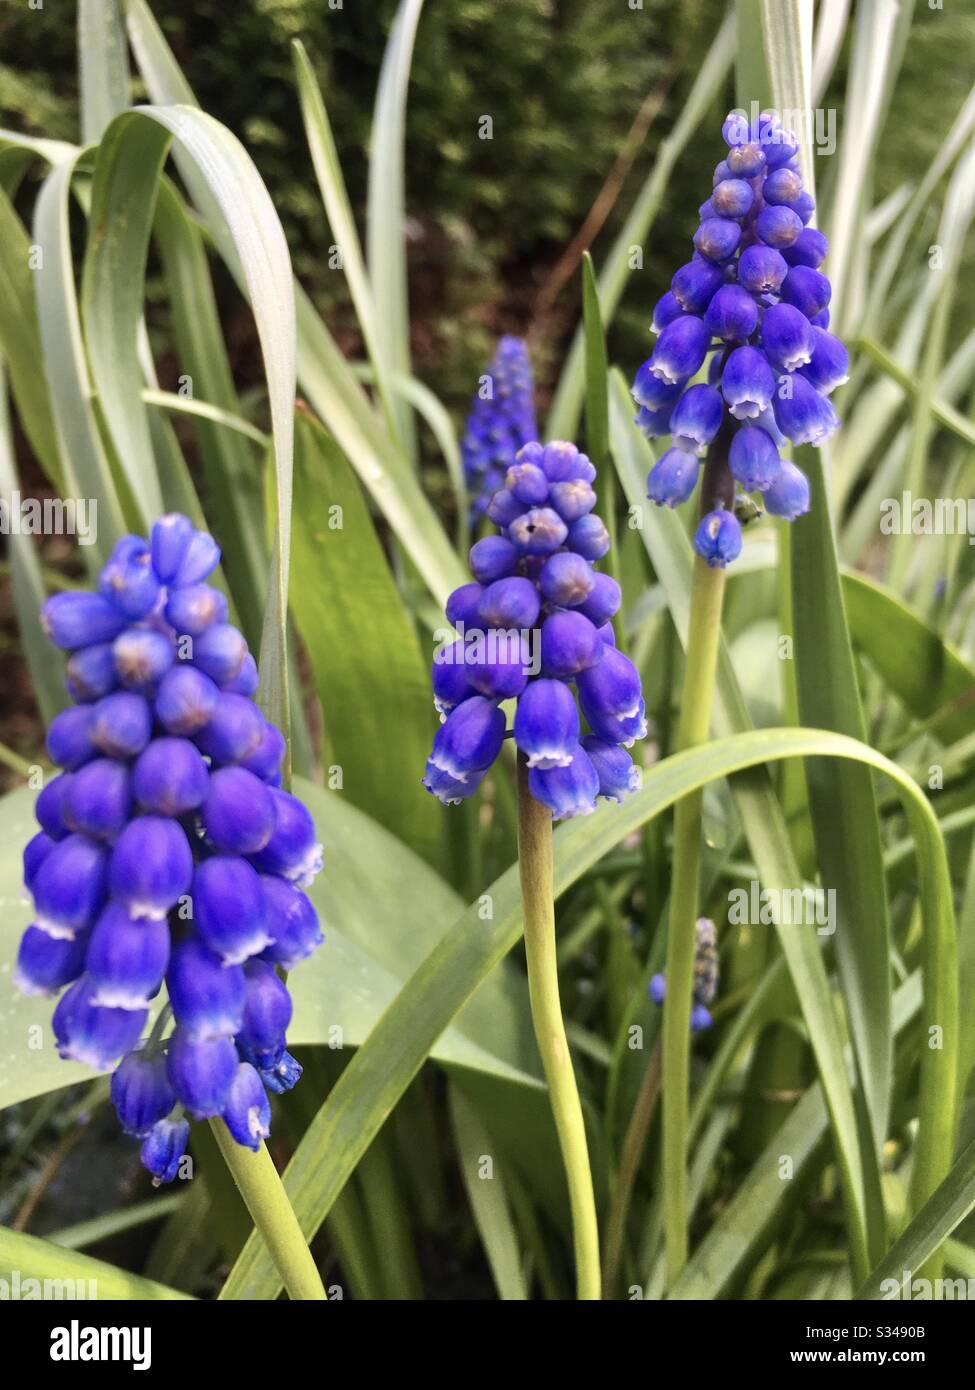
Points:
(705, 976)
(756, 301)
(501, 420)
(536, 616)
(168, 850)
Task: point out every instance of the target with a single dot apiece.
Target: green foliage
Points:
(341, 541)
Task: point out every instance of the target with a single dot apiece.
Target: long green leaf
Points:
(20, 342)
(912, 658)
(26, 1258)
(946, 414)
(64, 359)
(232, 466)
(386, 210)
(379, 1073)
(874, 34)
(323, 372)
(842, 798)
(127, 173)
(43, 660)
(945, 1209)
(331, 185)
(370, 676)
(103, 66)
(488, 1197)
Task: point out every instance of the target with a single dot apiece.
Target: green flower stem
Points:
(704, 633)
(630, 1154)
(266, 1200)
(535, 864)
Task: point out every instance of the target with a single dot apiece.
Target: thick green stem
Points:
(537, 889)
(704, 633)
(272, 1213)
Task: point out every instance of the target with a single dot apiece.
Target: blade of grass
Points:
(20, 342)
(942, 1213)
(113, 1222)
(203, 410)
(43, 661)
(127, 173)
(343, 585)
(33, 1259)
(867, 92)
(233, 470)
(331, 185)
(488, 1197)
(831, 24)
(103, 67)
(324, 374)
(597, 418)
(386, 209)
(944, 413)
(842, 798)
(64, 357)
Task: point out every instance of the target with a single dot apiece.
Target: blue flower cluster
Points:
(535, 623)
(501, 420)
(168, 850)
(705, 976)
(754, 298)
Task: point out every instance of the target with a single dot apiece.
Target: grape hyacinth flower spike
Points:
(168, 852)
(501, 420)
(754, 299)
(534, 628)
(705, 976)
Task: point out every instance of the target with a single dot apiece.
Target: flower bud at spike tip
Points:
(718, 538)
(128, 580)
(501, 421)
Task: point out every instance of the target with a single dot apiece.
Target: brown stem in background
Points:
(568, 263)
